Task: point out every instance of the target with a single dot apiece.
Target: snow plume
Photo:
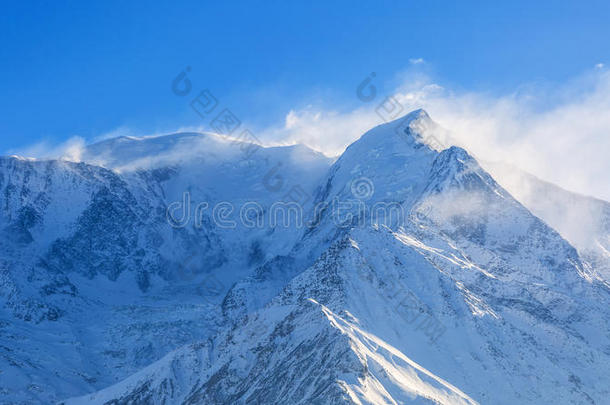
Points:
(446, 207)
(71, 150)
(560, 134)
(566, 142)
(131, 153)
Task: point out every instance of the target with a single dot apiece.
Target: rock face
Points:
(413, 276)
(583, 221)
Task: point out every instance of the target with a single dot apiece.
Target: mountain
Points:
(96, 283)
(583, 221)
(406, 274)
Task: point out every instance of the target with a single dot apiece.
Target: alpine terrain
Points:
(195, 268)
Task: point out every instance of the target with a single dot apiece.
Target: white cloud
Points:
(561, 135)
(71, 150)
(416, 61)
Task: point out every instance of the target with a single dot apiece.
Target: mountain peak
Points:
(407, 134)
(420, 113)
(420, 116)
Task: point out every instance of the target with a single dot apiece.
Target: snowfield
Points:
(478, 293)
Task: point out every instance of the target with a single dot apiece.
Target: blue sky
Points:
(87, 68)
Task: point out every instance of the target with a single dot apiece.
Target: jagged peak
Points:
(456, 154)
(454, 167)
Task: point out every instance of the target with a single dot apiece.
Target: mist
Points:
(558, 133)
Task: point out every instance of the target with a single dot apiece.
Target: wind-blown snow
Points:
(467, 298)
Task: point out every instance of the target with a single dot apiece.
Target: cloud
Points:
(416, 61)
(560, 134)
(71, 150)
(328, 131)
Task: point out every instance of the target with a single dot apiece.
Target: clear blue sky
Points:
(86, 68)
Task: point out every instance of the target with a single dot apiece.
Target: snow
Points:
(468, 298)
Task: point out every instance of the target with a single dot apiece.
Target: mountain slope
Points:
(96, 283)
(463, 297)
(583, 221)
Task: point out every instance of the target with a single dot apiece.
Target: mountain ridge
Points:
(464, 297)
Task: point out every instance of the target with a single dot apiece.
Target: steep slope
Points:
(273, 358)
(389, 327)
(97, 283)
(463, 296)
(583, 221)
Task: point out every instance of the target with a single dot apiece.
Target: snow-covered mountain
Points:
(96, 283)
(414, 277)
(583, 221)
